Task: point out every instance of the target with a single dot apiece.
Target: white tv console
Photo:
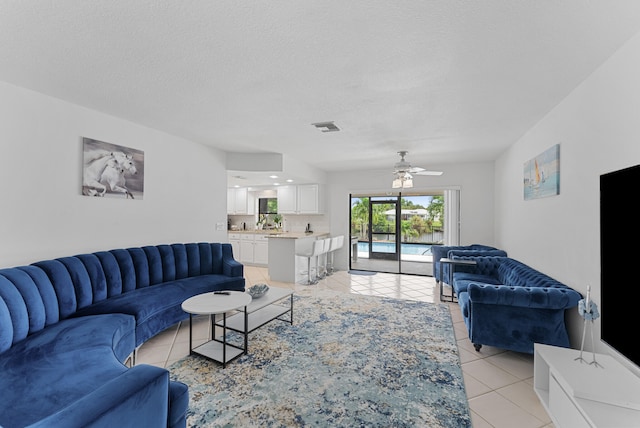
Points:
(579, 394)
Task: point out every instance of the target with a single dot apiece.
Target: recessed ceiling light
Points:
(289, 181)
(273, 176)
(276, 184)
(237, 185)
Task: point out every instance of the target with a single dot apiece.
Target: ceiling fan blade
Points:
(425, 172)
(403, 168)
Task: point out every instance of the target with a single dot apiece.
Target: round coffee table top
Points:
(212, 303)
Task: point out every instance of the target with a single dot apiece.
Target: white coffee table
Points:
(213, 304)
(262, 311)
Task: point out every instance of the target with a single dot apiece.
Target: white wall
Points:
(475, 181)
(598, 130)
(43, 214)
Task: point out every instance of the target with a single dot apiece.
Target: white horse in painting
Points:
(93, 168)
(113, 175)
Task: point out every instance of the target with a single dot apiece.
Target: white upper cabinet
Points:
(309, 199)
(300, 199)
(239, 201)
(287, 200)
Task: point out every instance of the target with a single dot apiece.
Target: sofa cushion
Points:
(462, 280)
(158, 307)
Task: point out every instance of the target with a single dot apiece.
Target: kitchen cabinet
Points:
(246, 248)
(309, 199)
(287, 200)
(261, 250)
(300, 199)
(253, 248)
(234, 240)
(239, 201)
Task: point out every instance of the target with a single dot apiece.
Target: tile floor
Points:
(499, 383)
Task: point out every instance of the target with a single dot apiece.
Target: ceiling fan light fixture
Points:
(403, 180)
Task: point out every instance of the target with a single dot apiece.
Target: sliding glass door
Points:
(384, 237)
(395, 233)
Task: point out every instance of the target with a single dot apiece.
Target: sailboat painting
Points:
(541, 175)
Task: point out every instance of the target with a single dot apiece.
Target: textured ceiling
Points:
(449, 81)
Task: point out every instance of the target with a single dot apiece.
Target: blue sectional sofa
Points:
(510, 305)
(68, 325)
(448, 251)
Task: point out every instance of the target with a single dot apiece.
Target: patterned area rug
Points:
(347, 361)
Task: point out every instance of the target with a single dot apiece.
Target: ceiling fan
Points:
(404, 172)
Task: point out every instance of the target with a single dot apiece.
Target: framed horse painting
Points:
(112, 171)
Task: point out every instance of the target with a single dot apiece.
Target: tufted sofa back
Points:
(509, 271)
(513, 272)
(485, 265)
(33, 297)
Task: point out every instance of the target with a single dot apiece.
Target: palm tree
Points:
(360, 217)
(436, 210)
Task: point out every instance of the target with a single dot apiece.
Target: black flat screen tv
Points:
(619, 243)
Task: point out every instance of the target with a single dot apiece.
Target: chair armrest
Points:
(138, 397)
(232, 267)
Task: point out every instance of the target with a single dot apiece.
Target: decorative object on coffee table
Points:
(258, 290)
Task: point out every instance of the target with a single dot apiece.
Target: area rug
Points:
(347, 361)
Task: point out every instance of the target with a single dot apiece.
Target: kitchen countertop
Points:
(298, 235)
(256, 231)
(280, 234)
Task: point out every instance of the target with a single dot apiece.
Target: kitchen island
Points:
(284, 265)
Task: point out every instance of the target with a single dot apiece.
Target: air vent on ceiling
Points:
(329, 126)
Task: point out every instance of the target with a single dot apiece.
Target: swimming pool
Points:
(389, 247)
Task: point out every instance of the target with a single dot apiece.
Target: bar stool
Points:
(323, 259)
(336, 243)
(315, 251)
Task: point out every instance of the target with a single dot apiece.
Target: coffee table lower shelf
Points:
(260, 312)
(218, 351)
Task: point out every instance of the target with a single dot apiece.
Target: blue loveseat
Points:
(510, 305)
(68, 325)
(448, 251)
